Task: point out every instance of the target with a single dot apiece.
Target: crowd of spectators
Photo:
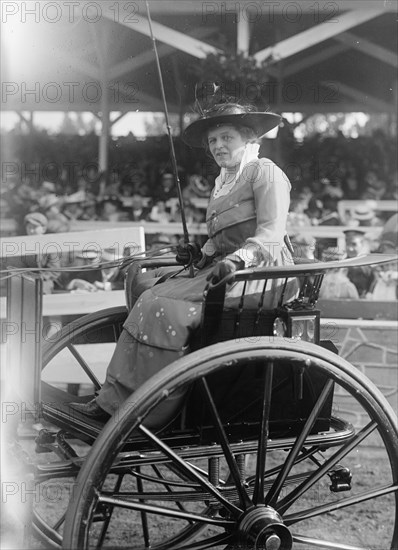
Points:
(322, 172)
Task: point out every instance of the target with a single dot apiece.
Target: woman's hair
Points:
(247, 133)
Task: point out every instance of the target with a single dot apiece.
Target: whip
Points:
(173, 156)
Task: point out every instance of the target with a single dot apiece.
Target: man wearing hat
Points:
(36, 224)
(246, 222)
(50, 207)
(365, 216)
(357, 245)
(386, 283)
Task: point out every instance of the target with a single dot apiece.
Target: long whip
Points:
(173, 156)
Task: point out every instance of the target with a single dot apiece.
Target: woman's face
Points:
(226, 145)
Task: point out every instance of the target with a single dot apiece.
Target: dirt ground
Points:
(342, 526)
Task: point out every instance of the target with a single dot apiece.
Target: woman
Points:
(246, 220)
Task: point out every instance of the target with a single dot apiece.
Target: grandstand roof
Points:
(335, 56)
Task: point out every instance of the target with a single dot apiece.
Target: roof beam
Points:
(315, 35)
(360, 97)
(243, 7)
(370, 48)
(243, 36)
(178, 40)
(143, 58)
(318, 57)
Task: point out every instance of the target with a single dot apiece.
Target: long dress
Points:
(246, 221)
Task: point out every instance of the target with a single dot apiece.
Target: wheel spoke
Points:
(233, 467)
(190, 472)
(161, 511)
(84, 366)
(258, 495)
(108, 519)
(338, 504)
(286, 502)
(168, 488)
(277, 486)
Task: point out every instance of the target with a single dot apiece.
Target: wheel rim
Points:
(52, 494)
(280, 499)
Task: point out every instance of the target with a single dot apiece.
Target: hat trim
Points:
(261, 123)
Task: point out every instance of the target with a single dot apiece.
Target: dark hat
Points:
(355, 231)
(111, 198)
(36, 218)
(229, 113)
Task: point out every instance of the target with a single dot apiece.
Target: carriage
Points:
(241, 443)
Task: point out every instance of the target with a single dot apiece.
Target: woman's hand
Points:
(81, 285)
(221, 270)
(188, 253)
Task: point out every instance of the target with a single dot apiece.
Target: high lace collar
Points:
(221, 188)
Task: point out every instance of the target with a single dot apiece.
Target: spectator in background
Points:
(24, 201)
(140, 184)
(314, 210)
(163, 242)
(336, 284)
(83, 280)
(330, 214)
(159, 213)
(166, 188)
(36, 224)
(332, 188)
(110, 209)
(363, 277)
(365, 216)
(89, 207)
(57, 221)
(375, 188)
(351, 183)
(297, 216)
(73, 205)
(47, 188)
(112, 272)
(385, 287)
(303, 247)
(138, 210)
(198, 187)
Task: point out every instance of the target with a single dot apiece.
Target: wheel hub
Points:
(263, 527)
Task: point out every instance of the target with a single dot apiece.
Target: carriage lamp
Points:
(298, 325)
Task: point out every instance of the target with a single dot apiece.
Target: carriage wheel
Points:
(70, 349)
(257, 483)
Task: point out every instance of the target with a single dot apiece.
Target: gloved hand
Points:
(188, 253)
(221, 270)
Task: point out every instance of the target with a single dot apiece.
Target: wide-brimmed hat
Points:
(363, 213)
(229, 113)
(36, 218)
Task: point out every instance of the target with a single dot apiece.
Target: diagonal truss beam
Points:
(360, 97)
(146, 57)
(318, 57)
(178, 40)
(370, 48)
(315, 35)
